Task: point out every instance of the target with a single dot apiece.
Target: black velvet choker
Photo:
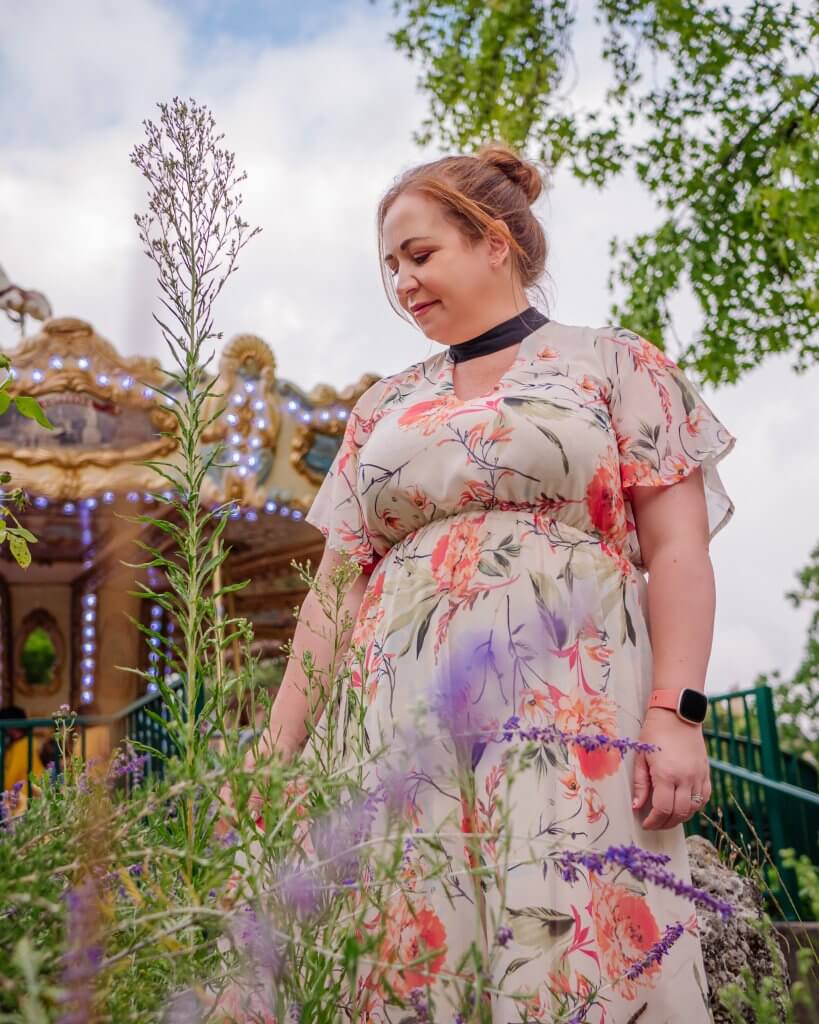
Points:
(500, 336)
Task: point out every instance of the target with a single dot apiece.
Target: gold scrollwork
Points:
(86, 370)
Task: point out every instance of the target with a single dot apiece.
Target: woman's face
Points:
(468, 287)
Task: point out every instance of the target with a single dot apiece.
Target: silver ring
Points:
(696, 798)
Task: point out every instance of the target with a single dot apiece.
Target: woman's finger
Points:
(683, 807)
(662, 805)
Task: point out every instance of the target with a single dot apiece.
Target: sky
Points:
(319, 110)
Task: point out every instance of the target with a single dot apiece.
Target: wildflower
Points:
(184, 1008)
(127, 762)
(503, 936)
(419, 1004)
(253, 933)
(83, 955)
(457, 689)
(10, 801)
(299, 891)
(643, 866)
(551, 734)
(337, 837)
(672, 933)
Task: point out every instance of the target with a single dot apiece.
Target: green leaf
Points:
(19, 550)
(30, 408)
(5, 401)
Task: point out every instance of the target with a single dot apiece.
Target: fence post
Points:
(772, 769)
(768, 735)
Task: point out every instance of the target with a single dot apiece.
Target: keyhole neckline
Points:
(447, 377)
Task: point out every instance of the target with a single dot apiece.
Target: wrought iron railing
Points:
(134, 722)
(765, 799)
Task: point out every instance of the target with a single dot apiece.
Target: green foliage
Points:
(797, 698)
(807, 875)
(722, 132)
(769, 1002)
(17, 536)
(38, 656)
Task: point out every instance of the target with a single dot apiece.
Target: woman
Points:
(504, 497)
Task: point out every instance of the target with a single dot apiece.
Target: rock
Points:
(728, 946)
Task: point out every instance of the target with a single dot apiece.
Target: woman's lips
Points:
(421, 310)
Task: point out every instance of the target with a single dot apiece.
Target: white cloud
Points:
(322, 127)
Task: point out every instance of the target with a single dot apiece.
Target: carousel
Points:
(67, 631)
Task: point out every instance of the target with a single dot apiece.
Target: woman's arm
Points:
(672, 528)
(294, 704)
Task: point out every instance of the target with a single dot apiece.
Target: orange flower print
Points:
(579, 713)
(589, 387)
(604, 499)
(546, 352)
(535, 707)
(570, 784)
(637, 472)
(428, 416)
(418, 497)
(674, 467)
(412, 932)
(455, 557)
(594, 805)
(626, 930)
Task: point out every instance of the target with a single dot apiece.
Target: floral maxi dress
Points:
(502, 549)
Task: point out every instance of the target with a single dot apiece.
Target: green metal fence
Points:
(133, 723)
(761, 794)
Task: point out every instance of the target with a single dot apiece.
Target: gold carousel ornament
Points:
(18, 303)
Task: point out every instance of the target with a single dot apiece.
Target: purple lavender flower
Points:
(504, 936)
(551, 734)
(459, 686)
(184, 1008)
(10, 802)
(299, 891)
(660, 949)
(643, 866)
(254, 934)
(83, 955)
(419, 1004)
(337, 836)
(127, 762)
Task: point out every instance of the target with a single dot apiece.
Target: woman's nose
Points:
(406, 284)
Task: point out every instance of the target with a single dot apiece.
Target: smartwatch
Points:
(689, 705)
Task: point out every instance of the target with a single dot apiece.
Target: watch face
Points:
(693, 705)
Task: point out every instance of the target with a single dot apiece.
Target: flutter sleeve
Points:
(338, 509)
(663, 425)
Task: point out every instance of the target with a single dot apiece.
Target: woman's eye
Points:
(421, 258)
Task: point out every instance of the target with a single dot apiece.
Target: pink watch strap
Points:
(664, 699)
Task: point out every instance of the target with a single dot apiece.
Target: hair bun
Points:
(521, 172)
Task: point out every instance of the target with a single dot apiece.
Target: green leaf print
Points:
(540, 927)
(515, 965)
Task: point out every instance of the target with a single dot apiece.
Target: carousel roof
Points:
(109, 414)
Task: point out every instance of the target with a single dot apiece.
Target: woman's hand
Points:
(675, 772)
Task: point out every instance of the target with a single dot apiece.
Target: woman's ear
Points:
(497, 242)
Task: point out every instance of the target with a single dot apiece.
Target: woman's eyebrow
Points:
(405, 243)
